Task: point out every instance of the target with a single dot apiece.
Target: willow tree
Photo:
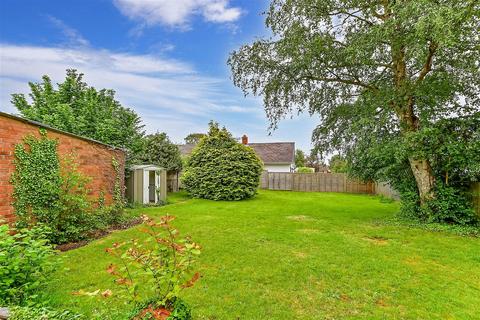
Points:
(386, 65)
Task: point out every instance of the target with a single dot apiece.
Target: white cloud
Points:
(177, 13)
(168, 94)
(73, 36)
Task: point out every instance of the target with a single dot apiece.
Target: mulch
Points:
(99, 234)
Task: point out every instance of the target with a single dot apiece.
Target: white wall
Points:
(277, 167)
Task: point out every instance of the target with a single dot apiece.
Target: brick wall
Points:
(94, 159)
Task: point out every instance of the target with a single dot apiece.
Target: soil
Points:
(157, 313)
(98, 234)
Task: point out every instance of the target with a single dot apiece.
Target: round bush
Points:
(220, 168)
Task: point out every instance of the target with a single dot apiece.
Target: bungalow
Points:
(276, 156)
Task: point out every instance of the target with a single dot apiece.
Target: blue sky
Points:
(166, 59)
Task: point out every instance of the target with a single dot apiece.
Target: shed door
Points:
(151, 187)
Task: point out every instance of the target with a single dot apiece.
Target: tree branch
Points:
(341, 80)
(427, 67)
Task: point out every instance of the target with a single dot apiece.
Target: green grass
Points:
(289, 255)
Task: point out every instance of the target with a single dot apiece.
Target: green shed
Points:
(146, 184)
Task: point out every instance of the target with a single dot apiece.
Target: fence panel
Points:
(313, 182)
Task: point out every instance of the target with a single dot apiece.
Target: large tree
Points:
(194, 138)
(75, 107)
(370, 69)
(299, 158)
(159, 150)
(338, 164)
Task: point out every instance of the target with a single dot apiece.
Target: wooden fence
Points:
(173, 181)
(386, 190)
(315, 182)
(337, 182)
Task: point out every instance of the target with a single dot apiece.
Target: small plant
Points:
(305, 170)
(26, 262)
(34, 313)
(154, 272)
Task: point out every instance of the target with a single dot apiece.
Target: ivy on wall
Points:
(117, 196)
(36, 181)
(51, 191)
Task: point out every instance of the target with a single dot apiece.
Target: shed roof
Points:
(275, 152)
(145, 166)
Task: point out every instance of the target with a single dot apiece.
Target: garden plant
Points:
(220, 168)
(153, 272)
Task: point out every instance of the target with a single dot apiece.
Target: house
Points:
(276, 156)
(186, 149)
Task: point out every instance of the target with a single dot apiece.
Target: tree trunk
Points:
(422, 172)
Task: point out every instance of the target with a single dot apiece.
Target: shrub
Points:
(53, 192)
(305, 170)
(162, 263)
(451, 205)
(34, 313)
(26, 261)
(221, 168)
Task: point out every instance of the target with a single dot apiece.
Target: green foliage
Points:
(50, 193)
(451, 205)
(115, 212)
(35, 313)
(36, 180)
(162, 263)
(391, 82)
(299, 158)
(338, 164)
(314, 161)
(453, 147)
(159, 150)
(77, 108)
(53, 192)
(221, 168)
(181, 311)
(194, 138)
(305, 170)
(26, 263)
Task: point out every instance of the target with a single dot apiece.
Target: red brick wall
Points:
(94, 160)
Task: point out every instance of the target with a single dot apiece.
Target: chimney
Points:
(244, 139)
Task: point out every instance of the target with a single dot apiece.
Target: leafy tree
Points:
(338, 164)
(299, 158)
(194, 138)
(220, 168)
(314, 160)
(161, 151)
(77, 108)
(378, 73)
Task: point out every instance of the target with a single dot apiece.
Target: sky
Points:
(166, 59)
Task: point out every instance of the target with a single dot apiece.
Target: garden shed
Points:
(147, 184)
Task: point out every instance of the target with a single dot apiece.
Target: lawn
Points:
(289, 255)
